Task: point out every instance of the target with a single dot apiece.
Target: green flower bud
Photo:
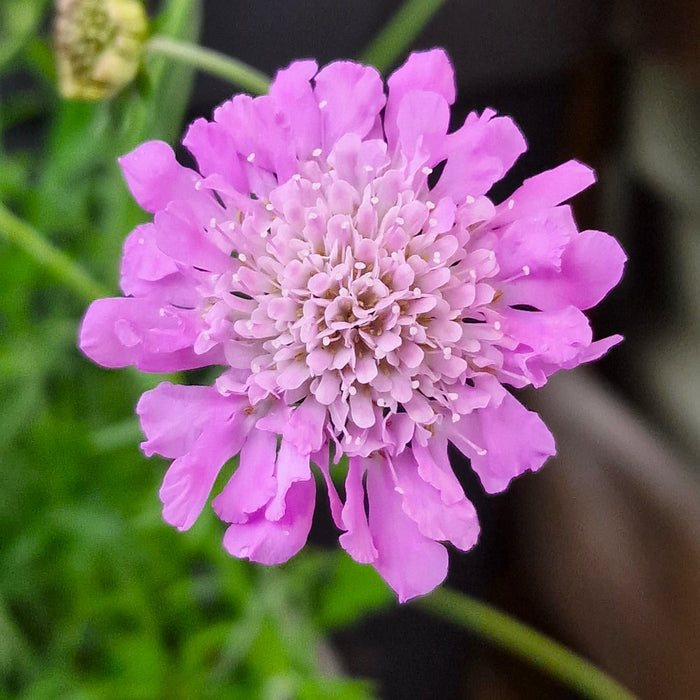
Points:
(98, 46)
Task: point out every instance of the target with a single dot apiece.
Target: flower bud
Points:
(98, 46)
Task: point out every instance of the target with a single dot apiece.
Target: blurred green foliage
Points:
(98, 597)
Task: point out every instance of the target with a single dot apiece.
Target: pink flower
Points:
(356, 309)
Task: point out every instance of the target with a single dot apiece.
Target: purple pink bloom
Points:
(357, 309)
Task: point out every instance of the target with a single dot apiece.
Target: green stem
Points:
(399, 32)
(47, 255)
(211, 62)
(533, 647)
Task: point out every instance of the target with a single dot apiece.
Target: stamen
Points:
(251, 157)
(323, 104)
(511, 203)
(316, 152)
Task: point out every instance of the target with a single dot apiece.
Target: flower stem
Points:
(533, 647)
(47, 255)
(211, 62)
(399, 32)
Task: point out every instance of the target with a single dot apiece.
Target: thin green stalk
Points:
(399, 32)
(48, 256)
(533, 647)
(210, 61)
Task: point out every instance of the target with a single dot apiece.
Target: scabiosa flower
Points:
(358, 309)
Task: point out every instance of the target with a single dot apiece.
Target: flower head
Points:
(336, 253)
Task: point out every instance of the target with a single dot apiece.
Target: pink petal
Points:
(591, 265)
(305, 427)
(434, 468)
(181, 236)
(423, 71)
(215, 152)
(421, 124)
(544, 190)
(353, 95)
(479, 154)
(497, 451)
(118, 332)
(409, 562)
(190, 478)
(173, 416)
(291, 466)
(155, 177)
(253, 483)
(275, 541)
(357, 541)
(455, 522)
(292, 95)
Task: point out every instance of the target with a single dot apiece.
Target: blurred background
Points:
(601, 549)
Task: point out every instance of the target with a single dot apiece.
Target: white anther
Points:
(374, 200)
(511, 203)
(430, 205)
(343, 292)
(415, 384)
(296, 177)
(417, 292)
(316, 152)
(231, 225)
(470, 199)
(452, 396)
(269, 207)
(400, 221)
(161, 311)
(251, 157)
(323, 104)
(456, 417)
(396, 308)
(412, 330)
(381, 403)
(359, 265)
(326, 341)
(368, 168)
(497, 325)
(447, 353)
(198, 185)
(426, 170)
(235, 277)
(316, 186)
(242, 257)
(525, 269)
(313, 215)
(352, 391)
